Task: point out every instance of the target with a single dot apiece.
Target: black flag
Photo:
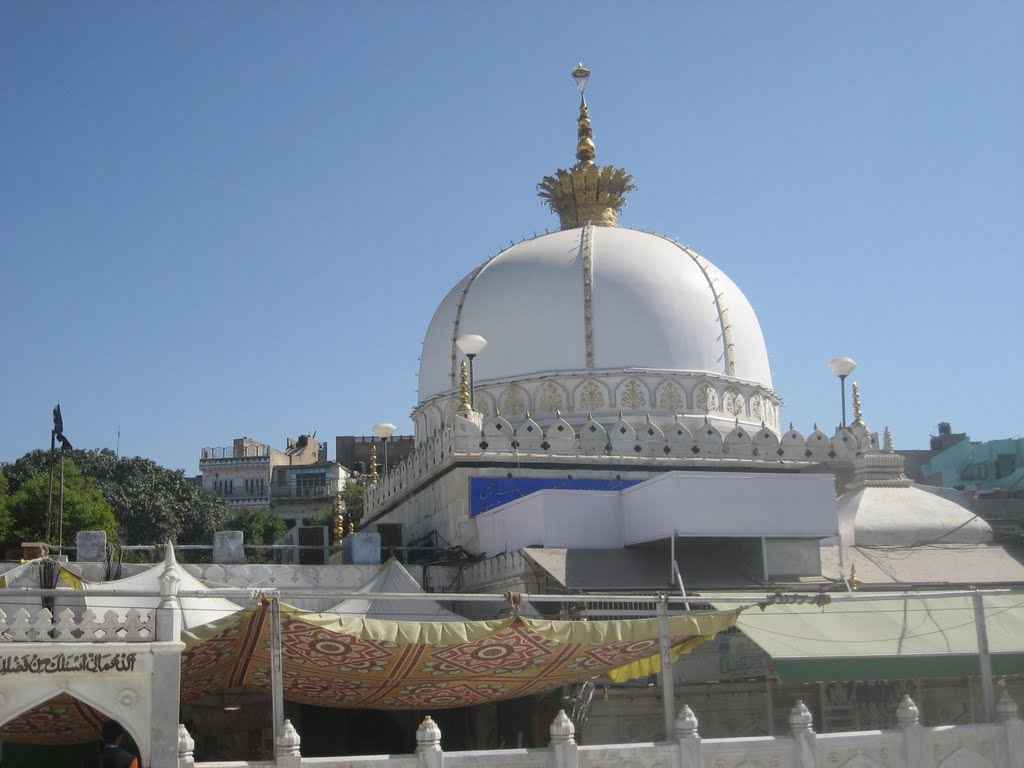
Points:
(58, 429)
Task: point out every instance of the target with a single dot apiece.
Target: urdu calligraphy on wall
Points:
(51, 664)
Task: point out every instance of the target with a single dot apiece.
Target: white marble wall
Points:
(910, 745)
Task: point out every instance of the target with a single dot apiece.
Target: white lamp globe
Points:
(384, 430)
(471, 344)
(842, 366)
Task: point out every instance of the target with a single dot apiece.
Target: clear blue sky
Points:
(237, 218)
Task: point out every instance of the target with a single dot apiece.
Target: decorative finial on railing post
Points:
(169, 621)
(286, 750)
(1006, 707)
(688, 739)
(563, 742)
(186, 748)
(887, 441)
(908, 718)
(907, 713)
(801, 725)
(428, 744)
(858, 408)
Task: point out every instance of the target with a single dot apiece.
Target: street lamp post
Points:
(471, 345)
(384, 430)
(842, 367)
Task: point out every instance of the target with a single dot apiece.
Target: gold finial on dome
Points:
(858, 409)
(374, 477)
(465, 404)
(586, 193)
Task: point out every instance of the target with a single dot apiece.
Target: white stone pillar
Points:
(691, 750)
(165, 704)
(186, 748)
(1012, 748)
(909, 721)
(563, 742)
(428, 744)
(286, 748)
(801, 725)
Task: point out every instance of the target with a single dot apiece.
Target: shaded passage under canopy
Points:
(355, 662)
(886, 639)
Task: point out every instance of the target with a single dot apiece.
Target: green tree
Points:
(259, 526)
(85, 508)
(151, 503)
(5, 515)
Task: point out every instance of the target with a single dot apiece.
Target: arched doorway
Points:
(62, 731)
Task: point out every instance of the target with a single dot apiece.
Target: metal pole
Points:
(60, 534)
(984, 657)
(472, 387)
(668, 692)
(842, 389)
(276, 669)
(49, 497)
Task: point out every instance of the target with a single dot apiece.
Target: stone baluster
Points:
(65, 628)
(801, 725)
(908, 719)
(1008, 717)
(111, 624)
(690, 745)
(186, 748)
(42, 623)
(21, 625)
(563, 742)
(88, 626)
(287, 750)
(3, 625)
(134, 625)
(428, 744)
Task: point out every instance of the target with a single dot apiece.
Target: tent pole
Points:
(984, 657)
(276, 669)
(668, 693)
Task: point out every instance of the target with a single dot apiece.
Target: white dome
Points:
(655, 305)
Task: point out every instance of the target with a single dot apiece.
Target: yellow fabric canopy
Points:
(355, 662)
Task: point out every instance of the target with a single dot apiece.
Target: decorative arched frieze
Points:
(679, 438)
(755, 405)
(499, 432)
(591, 395)
(514, 402)
(550, 396)
(793, 445)
(670, 396)
(738, 443)
(705, 398)
(708, 440)
(483, 401)
(766, 445)
(732, 403)
(529, 436)
(561, 437)
(632, 395)
(652, 439)
(844, 445)
(818, 446)
(593, 437)
(623, 438)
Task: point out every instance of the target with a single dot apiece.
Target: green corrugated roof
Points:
(867, 639)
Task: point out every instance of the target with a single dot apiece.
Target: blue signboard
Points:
(489, 492)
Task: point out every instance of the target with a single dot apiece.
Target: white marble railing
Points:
(40, 626)
(634, 443)
(910, 745)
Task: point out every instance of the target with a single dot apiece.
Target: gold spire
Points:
(465, 407)
(586, 193)
(374, 477)
(858, 414)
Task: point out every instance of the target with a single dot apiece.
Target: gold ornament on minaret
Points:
(465, 405)
(586, 193)
(858, 411)
(374, 477)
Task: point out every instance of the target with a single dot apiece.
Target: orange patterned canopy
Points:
(360, 663)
